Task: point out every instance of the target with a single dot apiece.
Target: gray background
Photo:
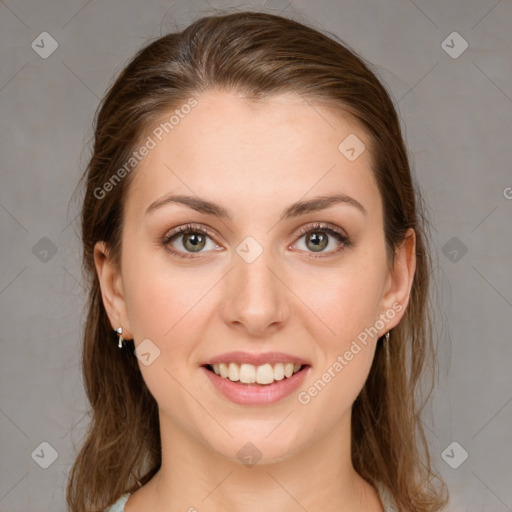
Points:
(457, 118)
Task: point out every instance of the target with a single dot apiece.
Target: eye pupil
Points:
(319, 242)
(197, 241)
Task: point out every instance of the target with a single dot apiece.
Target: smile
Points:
(266, 386)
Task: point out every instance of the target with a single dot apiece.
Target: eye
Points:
(193, 239)
(318, 237)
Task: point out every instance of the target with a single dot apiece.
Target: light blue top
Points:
(118, 506)
(385, 497)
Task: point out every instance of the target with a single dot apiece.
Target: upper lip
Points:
(256, 359)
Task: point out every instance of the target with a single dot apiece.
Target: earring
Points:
(120, 334)
(386, 348)
(133, 474)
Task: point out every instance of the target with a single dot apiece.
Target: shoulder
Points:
(118, 506)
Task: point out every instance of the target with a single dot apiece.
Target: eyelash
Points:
(319, 226)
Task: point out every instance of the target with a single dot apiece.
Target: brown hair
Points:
(258, 55)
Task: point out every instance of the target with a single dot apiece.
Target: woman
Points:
(252, 236)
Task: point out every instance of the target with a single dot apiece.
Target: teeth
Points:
(249, 374)
(234, 372)
(223, 368)
(265, 374)
(279, 371)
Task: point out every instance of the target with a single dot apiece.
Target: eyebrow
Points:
(294, 210)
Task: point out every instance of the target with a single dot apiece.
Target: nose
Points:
(255, 300)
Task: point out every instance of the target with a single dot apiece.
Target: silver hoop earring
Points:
(119, 332)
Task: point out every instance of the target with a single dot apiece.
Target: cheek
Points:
(160, 299)
(172, 307)
(152, 305)
(348, 307)
(163, 307)
(348, 302)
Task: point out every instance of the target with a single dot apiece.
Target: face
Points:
(312, 284)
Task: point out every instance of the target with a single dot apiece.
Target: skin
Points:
(254, 159)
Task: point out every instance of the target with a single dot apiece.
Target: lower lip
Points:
(247, 394)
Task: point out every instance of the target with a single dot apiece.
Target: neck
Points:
(318, 477)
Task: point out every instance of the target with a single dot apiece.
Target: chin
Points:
(255, 446)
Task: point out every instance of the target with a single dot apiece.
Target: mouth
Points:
(249, 385)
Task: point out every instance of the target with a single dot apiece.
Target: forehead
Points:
(255, 155)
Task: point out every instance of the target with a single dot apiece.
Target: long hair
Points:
(257, 55)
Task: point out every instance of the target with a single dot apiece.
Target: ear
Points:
(112, 291)
(399, 281)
